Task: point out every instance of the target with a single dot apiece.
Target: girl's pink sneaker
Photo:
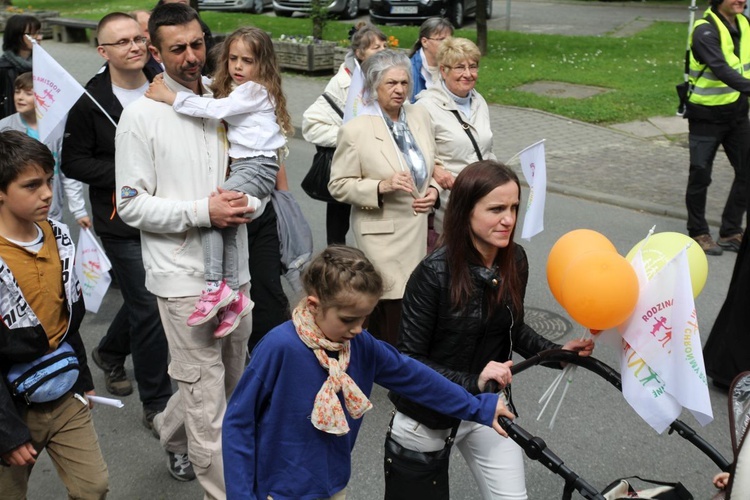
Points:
(210, 303)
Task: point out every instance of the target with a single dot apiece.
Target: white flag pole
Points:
(34, 42)
(524, 149)
(112, 121)
(568, 382)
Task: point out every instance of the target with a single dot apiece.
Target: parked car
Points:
(254, 6)
(416, 11)
(343, 9)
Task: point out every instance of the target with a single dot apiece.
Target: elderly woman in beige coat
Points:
(383, 167)
(458, 114)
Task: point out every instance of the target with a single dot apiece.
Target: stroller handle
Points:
(552, 357)
(536, 449)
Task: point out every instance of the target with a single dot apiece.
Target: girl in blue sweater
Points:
(293, 419)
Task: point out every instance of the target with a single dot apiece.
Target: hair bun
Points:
(352, 31)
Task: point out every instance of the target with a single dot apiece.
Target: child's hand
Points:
(158, 91)
(23, 455)
(501, 411)
(84, 222)
(721, 480)
(91, 403)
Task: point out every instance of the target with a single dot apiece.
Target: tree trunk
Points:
(319, 18)
(482, 26)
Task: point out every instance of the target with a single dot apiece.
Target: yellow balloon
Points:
(663, 247)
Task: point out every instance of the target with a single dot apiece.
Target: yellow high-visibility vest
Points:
(707, 89)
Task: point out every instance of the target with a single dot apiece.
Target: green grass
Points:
(640, 71)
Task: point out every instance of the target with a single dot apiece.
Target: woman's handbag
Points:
(415, 475)
(47, 378)
(315, 183)
(623, 489)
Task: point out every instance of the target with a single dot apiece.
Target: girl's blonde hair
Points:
(268, 71)
(339, 272)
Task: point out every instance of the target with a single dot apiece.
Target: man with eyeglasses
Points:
(168, 167)
(88, 155)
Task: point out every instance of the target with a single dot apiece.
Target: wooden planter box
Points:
(311, 58)
(339, 53)
(42, 15)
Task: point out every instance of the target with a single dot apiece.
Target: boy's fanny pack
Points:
(47, 378)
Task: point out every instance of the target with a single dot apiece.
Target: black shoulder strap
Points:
(333, 104)
(465, 126)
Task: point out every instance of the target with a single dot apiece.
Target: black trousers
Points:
(337, 222)
(705, 138)
(271, 303)
(137, 328)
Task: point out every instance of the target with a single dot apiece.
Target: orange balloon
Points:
(569, 248)
(600, 290)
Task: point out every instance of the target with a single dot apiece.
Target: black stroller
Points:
(739, 414)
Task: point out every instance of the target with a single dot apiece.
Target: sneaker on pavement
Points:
(731, 243)
(180, 467)
(230, 316)
(115, 378)
(708, 244)
(210, 303)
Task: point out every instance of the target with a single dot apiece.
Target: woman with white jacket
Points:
(321, 123)
(458, 114)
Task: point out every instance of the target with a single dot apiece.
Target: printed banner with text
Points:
(662, 358)
(55, 91)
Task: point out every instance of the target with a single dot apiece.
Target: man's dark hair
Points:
(15, 28)
(169, 14)
(18, 151)
(112, 16)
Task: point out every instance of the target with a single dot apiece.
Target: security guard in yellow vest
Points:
(717, 112)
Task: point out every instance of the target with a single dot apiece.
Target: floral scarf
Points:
(328, 415)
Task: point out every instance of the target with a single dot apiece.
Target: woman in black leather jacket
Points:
(463, 316)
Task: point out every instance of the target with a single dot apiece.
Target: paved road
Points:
(620, 185)
(596, 434)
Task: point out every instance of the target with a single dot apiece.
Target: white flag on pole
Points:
(663, 331)
(55, 91)
(534, 168)
(92, 267)
(356, 98)
(643, 389)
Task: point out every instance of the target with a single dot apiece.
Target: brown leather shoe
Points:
(115, 377)
(708, 244)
